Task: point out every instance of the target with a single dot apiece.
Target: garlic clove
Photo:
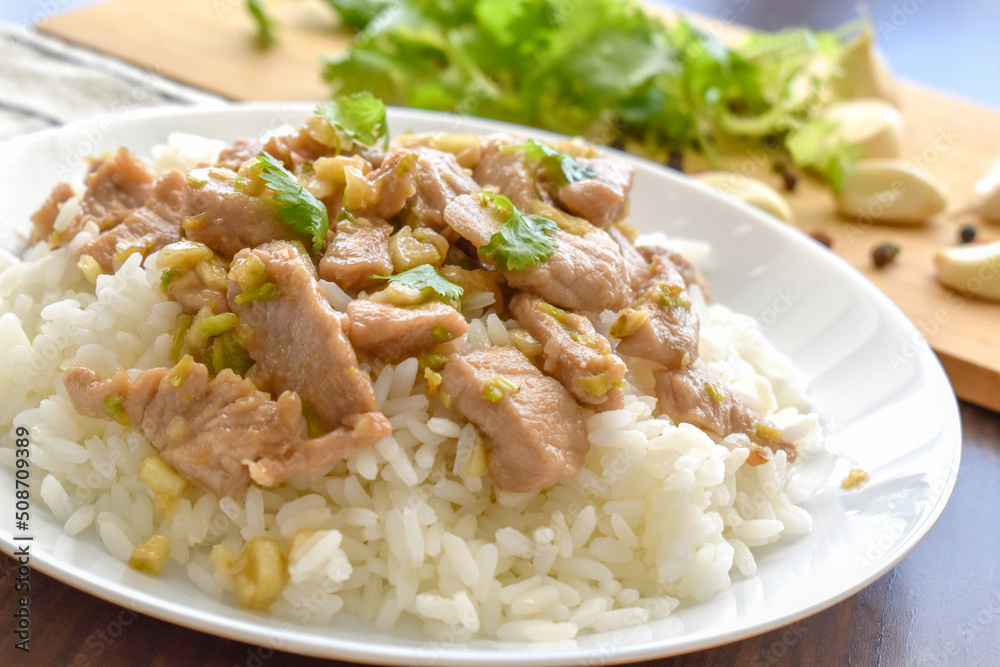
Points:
(986, 200)
(863, 72)
(972, 269)
(873, 124)
(751, 190)
(891, 191)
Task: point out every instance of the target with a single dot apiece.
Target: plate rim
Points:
(300, 640)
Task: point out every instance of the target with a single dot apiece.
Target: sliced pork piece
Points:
(356, 250)
(148, 228)
(220, 433)
(637, 266)
(574, 353)
(584, 273)
(692, 396)
(687, 270)
(296, 148)
(298, 342)
(226, 219)
(439, 179)
(44, 219)
(238, 152)
(534, 431)
(394, 332)
(661, 325)
(505, 171)
(382, 193)
(601, 199)
(115, 187)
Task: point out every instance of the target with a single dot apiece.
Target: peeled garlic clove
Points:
(751, 190)
(986, 201)
(862, 72)
(891, 191)
(874, 125)
(971, 269)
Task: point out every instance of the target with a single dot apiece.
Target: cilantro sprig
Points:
(554, 165)
(360, 116)
(301, 210)
(426, 280)
(522, 240)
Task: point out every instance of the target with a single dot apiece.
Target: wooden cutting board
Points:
(211, 45)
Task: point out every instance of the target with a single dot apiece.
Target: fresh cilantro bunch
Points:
(603, 69)
(522, 240)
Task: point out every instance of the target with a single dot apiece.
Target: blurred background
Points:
(953, 46)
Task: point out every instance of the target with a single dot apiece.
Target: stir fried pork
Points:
(298, 340)
(395, 332)
(356, 250)
(439, 180)
(238, 152)
(534, 432)
(217, 433)
(44, 219)
(688, 271)
(383, 192)
(574, 353)
(584, 273)
(661, 325)
(637, 266)
(148, 228)
(227, 219)
(692, 396)
(603, 198)
(505, 170)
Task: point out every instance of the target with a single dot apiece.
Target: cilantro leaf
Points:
(555, 166)
(301, 211)
(522, 240)
(265, 24)
(427, 281)
(360, 116)
(814, 145)
(357, 14)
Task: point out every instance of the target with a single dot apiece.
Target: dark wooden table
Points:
(940, 606)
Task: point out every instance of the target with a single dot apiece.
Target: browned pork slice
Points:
(355, 251)
(238, 152)
(692, 396)
(226, 219)
(583, 273)
(637, 266)
(394, 332)
(296, 148)
(661, 325)
(601, 199)
(44, 219)
(148, 228)
(383, 192)
(439, 179)
(218, 433)
(687, 270)
(115, 187)
(298, 342)
(534, 431)
(574, 353)
(505, 171)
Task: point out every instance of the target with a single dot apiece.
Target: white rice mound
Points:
(661, 513)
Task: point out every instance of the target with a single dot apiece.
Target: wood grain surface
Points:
(211, 45)
(940, 606)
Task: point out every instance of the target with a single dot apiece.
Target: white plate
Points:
(875, 382)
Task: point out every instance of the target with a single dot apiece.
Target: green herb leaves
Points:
(522, 239)
(360, 116)
(554, 166)
(301, 210)
(425, 279)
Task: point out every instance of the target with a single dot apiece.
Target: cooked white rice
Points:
(660, 515)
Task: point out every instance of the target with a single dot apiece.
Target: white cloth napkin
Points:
(45, 81)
